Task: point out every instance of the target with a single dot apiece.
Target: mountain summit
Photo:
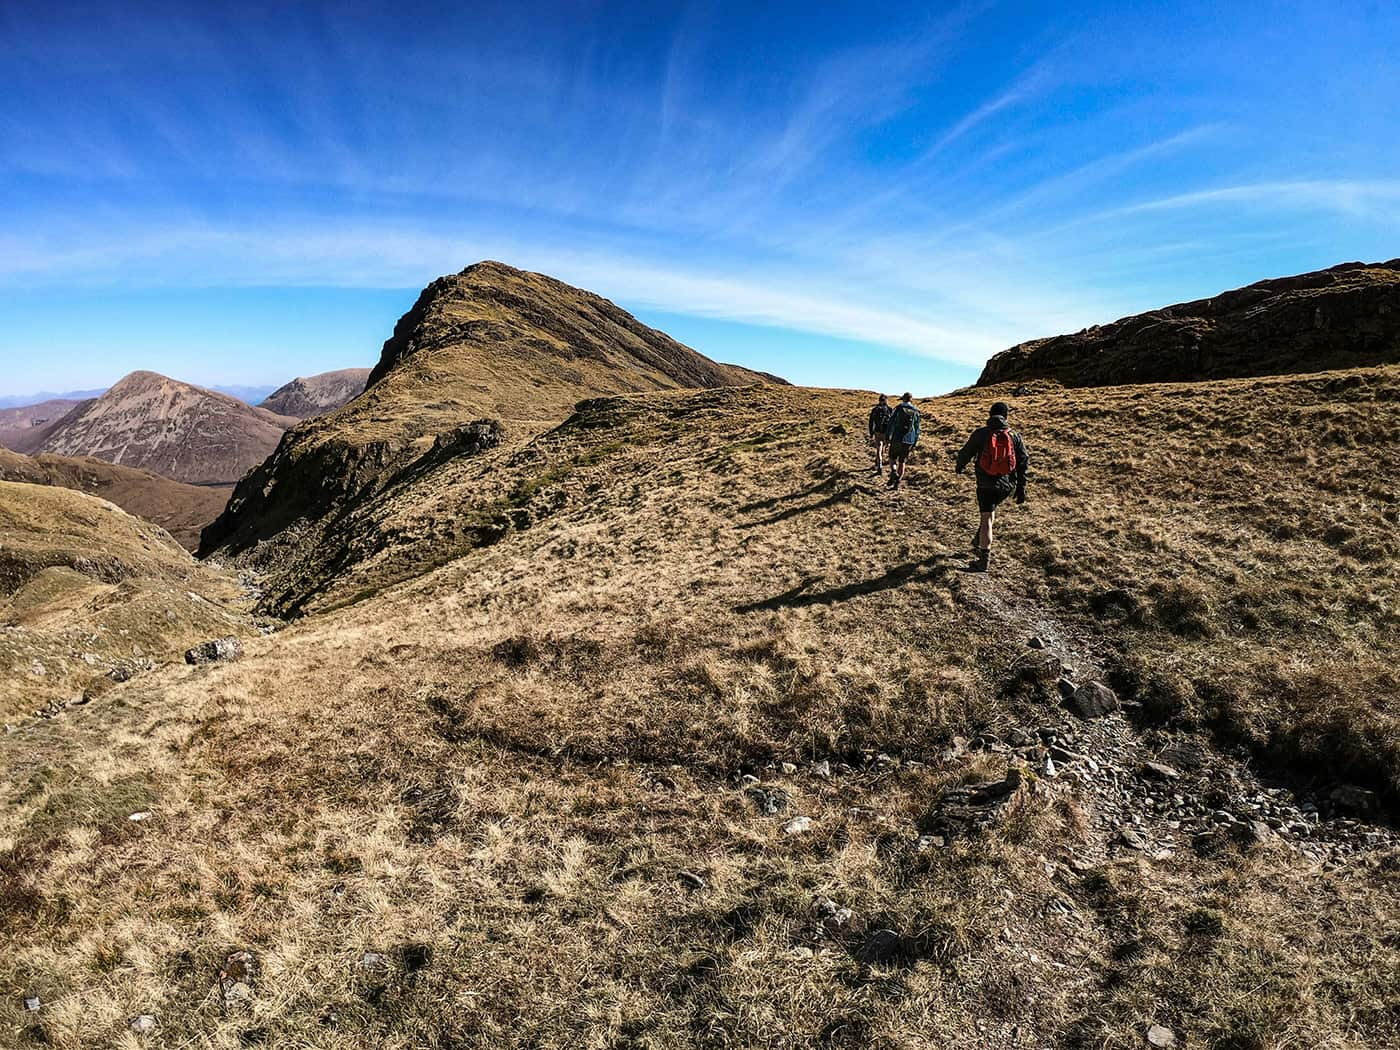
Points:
(1346, 316)
(513, 344)
(486, 357)
(183, 432)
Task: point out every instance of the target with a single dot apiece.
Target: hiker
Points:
(879, 421)
(902, 434)
(1001, 470)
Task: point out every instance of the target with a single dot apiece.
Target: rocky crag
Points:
(1343, 317)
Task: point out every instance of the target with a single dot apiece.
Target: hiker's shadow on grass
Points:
(811, 490)
(926, 570)
(843, 496)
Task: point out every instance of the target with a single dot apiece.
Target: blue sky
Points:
(867, 195)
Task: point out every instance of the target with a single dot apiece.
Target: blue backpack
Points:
(904, 424)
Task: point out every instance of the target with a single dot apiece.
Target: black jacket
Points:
(978, 441)
(879, 419)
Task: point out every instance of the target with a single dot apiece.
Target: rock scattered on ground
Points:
(215, 651)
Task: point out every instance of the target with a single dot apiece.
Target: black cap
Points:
(1001, 408)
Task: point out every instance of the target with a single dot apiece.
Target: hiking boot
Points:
(983, 557)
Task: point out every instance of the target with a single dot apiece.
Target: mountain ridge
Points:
(1345, 316)
(488, 355)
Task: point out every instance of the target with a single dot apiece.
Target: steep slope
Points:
(308, 396)
(1342, 317)
(26, 428)
(485, 354)
(183, 432)
(711, 746)
(90, 595)
(182, 510)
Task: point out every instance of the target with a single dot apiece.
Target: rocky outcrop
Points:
(1343, 317)
(308, 396)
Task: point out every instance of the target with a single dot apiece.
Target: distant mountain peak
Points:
(307, 396)
(175, 429)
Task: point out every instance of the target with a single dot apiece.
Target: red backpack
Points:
(998, 457)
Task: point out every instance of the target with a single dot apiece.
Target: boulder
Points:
(218, 650)
(1093, 700)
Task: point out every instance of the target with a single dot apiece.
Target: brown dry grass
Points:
(181, 510)
(86, 588)
(494, 773)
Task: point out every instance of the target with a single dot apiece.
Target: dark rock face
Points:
(218, 650)
(1344, 317)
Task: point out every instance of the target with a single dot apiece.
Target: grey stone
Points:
(1160, 1037)
(1130, 838)
(32, 1003)
(373, 962)
(217, 650)
(1093, 700)
(797, 825)
(142, 1024)
(1159, 771)
(1356, 799)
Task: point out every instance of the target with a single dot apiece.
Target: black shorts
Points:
(988, 499)
(899, 451)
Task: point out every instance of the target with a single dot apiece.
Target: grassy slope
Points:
(86, 588)
(494, 773)
(180, 509)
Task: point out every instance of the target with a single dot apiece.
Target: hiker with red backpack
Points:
(1001, 470)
